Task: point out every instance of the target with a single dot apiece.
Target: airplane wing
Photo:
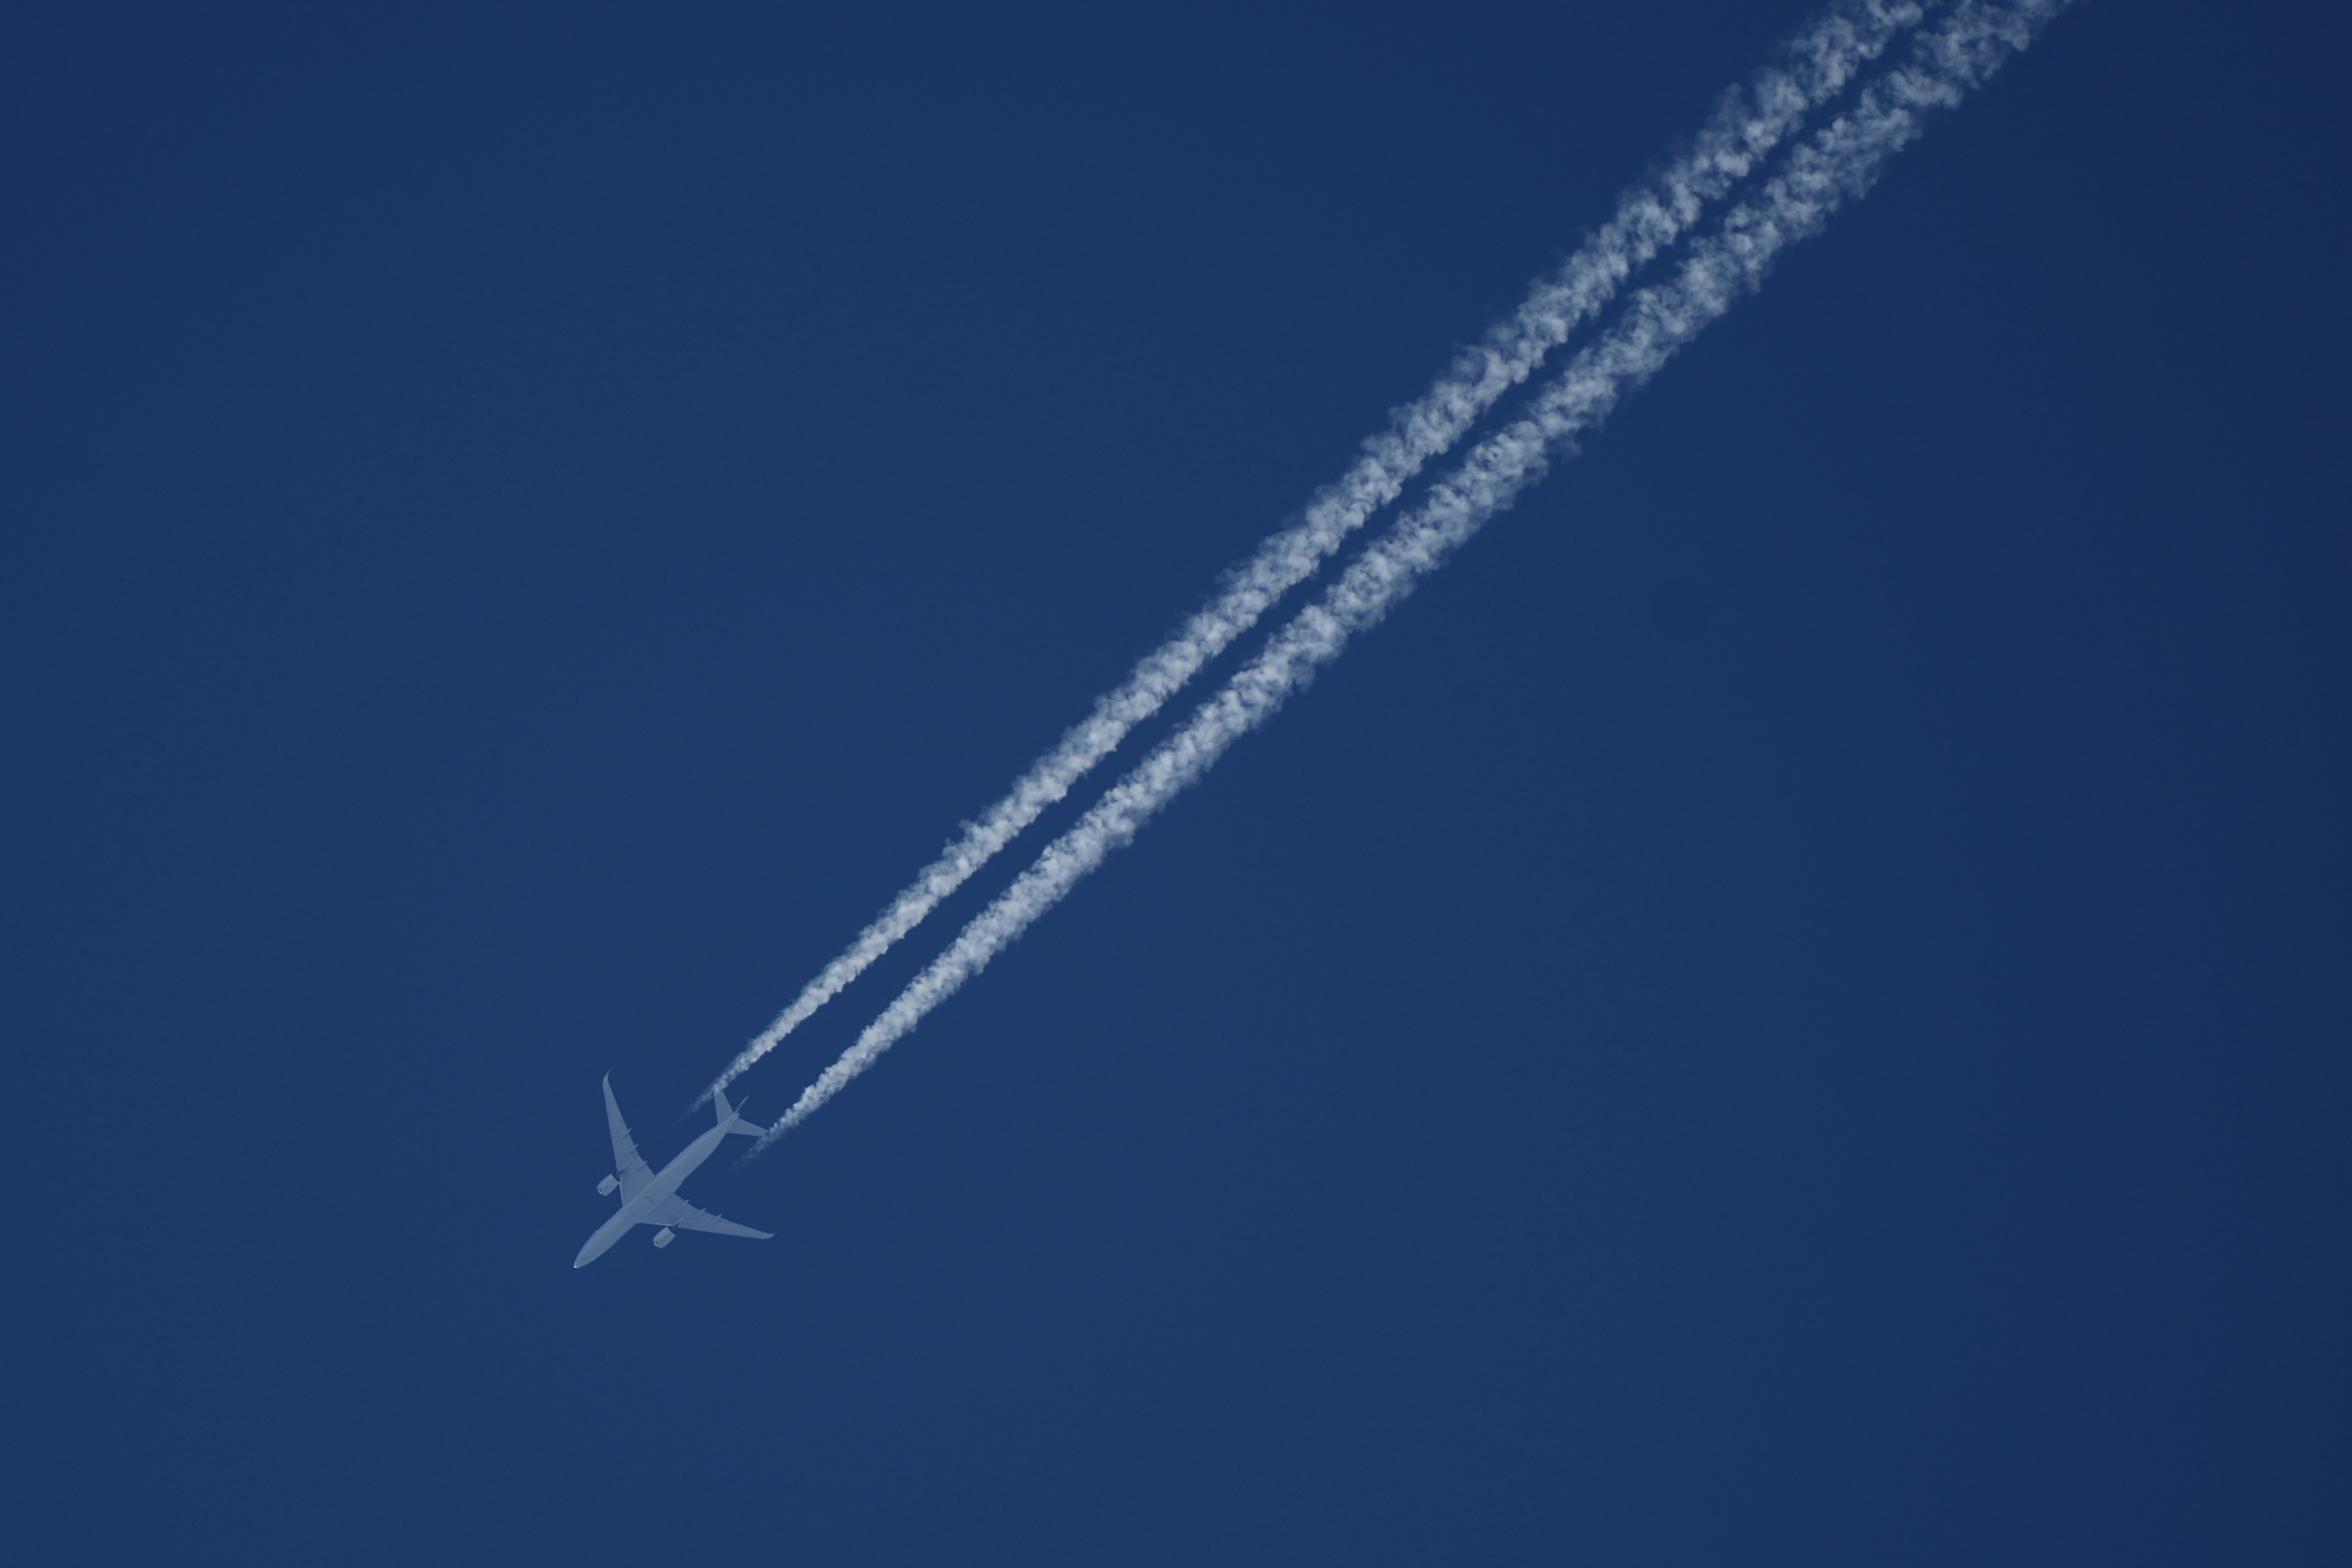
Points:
(684, 1216)
(628, 1164)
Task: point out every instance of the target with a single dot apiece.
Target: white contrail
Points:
(1837, 165)
(1745, 126)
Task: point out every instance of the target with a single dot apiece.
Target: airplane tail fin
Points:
(731, 1120)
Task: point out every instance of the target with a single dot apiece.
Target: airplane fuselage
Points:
(651, 1197)
(664, 1185)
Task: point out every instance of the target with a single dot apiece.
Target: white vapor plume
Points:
(1745, 126)
(1836, 165)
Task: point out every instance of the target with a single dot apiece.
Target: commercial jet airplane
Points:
(650, 1199)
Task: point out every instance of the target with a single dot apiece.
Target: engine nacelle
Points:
(605, 1188)
(664, 1236)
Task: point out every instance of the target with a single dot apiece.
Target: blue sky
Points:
(1788, 1007)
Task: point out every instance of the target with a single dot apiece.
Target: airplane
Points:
(650, 1199)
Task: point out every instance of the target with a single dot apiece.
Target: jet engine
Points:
(605, 1188)
(664, 1236)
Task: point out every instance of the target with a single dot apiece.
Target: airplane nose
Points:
(602, 1241)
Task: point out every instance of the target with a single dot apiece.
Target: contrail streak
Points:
(1835, 167)
(1745, 126)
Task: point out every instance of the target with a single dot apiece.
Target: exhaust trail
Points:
(1745, 126)
(1837, 165)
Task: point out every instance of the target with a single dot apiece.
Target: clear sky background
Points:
(1790, 1007)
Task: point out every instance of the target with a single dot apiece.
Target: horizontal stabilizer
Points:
(732, 1119)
